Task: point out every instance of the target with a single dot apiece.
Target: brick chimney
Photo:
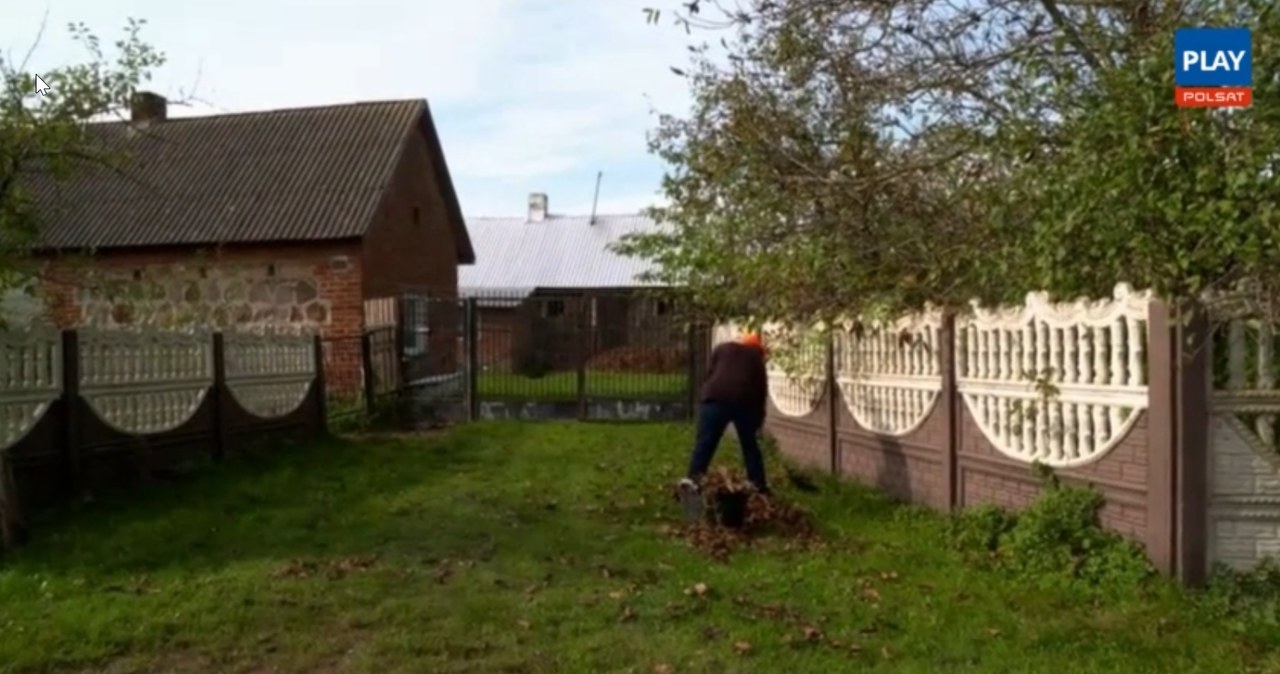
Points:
(537, 207)
(147, 107)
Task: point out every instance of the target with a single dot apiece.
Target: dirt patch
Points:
(333, 570)
(770, 517)
(641, 359)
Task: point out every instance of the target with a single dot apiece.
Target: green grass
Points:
(556, 386)
(539, 548)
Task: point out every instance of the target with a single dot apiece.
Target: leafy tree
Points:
(846, 155)
(48, 132)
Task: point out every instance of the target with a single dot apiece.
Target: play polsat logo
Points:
(1213, 67)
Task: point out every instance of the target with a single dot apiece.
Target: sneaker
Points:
(690, 499)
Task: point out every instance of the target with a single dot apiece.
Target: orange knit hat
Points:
(752, 339)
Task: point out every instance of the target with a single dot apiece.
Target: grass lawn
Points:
(539, 548)
(564, 386)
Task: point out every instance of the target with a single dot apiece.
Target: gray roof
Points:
(514, 257)
(302, 174)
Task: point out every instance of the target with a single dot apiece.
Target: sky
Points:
(527, 95)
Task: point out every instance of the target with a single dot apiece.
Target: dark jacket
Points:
(737, 377)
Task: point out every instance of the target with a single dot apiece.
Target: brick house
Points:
(299, 217)
(544, 282)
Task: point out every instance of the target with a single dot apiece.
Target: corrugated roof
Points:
(515, 256)
(302, 174)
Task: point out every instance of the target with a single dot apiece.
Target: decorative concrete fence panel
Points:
(958, 410)
(142, 382)
(30, 380)
(1243, 466)
(269, 375)
(82, 411)
(889, 373)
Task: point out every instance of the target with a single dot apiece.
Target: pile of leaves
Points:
(638, 358)
(771, 517)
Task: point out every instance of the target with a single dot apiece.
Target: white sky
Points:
(528, 95)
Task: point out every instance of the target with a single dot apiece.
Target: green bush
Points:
(1248, 602)
(1054, 541)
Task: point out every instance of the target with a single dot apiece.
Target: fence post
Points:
(12, 519)
(366, 366)
(582, 361)
(318, 388)
(219, 397)
(71, 428)
(949, 407)
(1177, 439)
(470, 337)
(833, 410)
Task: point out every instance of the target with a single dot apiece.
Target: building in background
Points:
(545, 282)
(302, 217)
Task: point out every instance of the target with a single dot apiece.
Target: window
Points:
(660, 308)
(553, 308)
(417, 215)
(415, 324)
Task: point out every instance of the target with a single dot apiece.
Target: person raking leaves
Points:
(736, 392)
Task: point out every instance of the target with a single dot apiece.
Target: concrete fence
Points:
(1172, 416)
(88, 410)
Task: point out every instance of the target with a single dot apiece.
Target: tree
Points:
(48, 132)
(844, 155)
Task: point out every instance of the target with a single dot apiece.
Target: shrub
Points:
(1054, 541)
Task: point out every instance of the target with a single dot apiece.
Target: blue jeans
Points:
(713, 419)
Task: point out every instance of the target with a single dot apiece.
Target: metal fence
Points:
(589, 356)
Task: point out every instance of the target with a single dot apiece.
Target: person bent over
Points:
(736, 392)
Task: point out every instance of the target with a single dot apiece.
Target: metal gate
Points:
(534, 357)
(434, 381)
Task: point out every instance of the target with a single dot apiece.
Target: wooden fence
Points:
(1172, 419)
(86, 410)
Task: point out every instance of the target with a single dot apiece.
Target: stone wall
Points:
(315, 286)
(225, 296)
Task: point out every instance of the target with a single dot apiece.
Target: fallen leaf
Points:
(617, 595)
(699, 589)
(888, 575)
(871, 594)
(812, 634)
(742, 647)
(627, 615)
(662, 668)
(993, 631)
(524, 624)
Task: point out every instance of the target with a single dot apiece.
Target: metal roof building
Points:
(541, 251)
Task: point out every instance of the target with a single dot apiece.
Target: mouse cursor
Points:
(41, 87)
